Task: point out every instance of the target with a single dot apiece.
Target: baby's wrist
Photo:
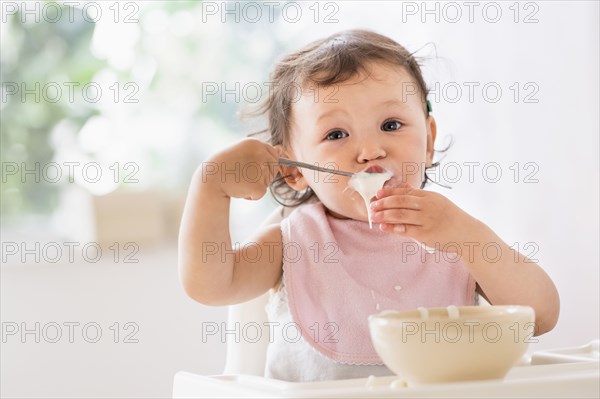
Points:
(210, 181)
(478, 238)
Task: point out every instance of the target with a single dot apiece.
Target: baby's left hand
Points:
(426, 216)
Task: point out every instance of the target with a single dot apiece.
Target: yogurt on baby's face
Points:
(367, 184)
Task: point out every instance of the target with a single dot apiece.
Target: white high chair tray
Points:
(567, 372)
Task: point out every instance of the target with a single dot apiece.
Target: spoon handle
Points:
(289, 162)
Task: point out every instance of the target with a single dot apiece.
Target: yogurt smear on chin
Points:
(394, 182)
(367, 184)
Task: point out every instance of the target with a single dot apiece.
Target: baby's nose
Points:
(370, 151)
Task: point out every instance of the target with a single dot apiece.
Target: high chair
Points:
(566, 372)
(248, 357)
(243, 360)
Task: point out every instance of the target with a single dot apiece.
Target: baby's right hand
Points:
(244, 170)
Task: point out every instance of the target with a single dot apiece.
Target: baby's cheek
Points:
(341, 201)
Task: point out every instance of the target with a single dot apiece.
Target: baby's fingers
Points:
(405, 189)
(398, 216)
(399, 229)
(401, 201)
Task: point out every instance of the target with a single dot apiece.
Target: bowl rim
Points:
(441, 314)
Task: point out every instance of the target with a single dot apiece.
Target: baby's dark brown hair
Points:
(323, 63)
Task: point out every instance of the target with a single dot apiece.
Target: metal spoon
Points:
(289, 162)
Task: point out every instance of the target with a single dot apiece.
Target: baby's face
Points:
(367, 121)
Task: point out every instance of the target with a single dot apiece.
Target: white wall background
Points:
(559, 213)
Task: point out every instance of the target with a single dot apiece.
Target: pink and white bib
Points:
(337, 272)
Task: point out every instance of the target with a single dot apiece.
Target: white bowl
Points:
(435, 345)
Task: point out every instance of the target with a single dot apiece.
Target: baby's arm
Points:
(512, 278)
(212, 270)
(432, 219)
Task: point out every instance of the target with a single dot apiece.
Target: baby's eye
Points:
(336, 135)
(390, 126)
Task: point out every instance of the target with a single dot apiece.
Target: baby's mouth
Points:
(367, 183)
(374, 169)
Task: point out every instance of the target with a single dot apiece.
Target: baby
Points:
(355, 101)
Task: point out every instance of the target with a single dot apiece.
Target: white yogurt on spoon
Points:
(367, 184)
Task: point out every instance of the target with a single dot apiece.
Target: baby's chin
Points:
(394, 182)
(398, 182)
(336, 214)
(353, 209)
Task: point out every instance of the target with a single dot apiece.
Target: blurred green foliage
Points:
(179, 63)
(41, 52)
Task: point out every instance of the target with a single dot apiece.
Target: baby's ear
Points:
(292, 175)
(431, 132)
